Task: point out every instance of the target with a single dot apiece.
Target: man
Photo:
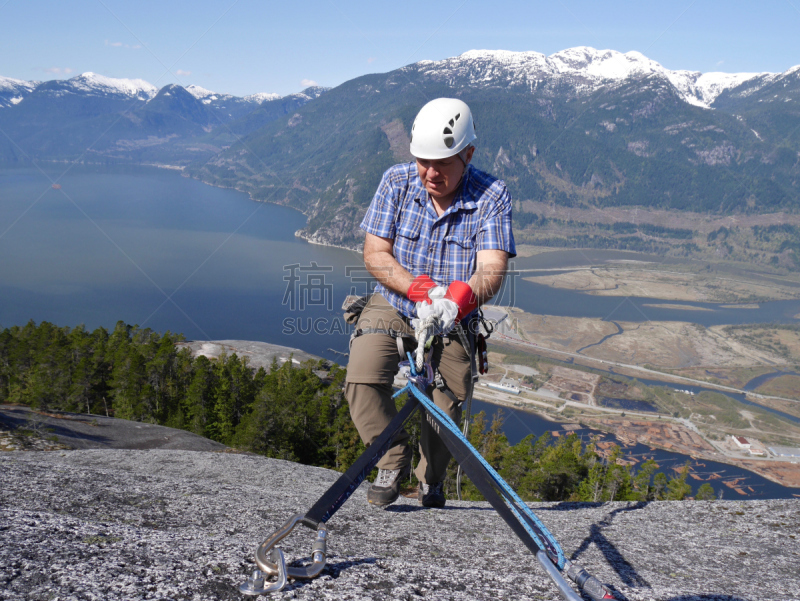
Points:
(438, 238)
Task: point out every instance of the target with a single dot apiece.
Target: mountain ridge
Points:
(585, 61)
(598, 68)
(136, 88)
(580, 128)
(572, 139)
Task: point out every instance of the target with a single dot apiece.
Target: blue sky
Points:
(247, 46)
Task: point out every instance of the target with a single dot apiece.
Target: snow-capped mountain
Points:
(584, 69)
(313, 92)
(207, 96)
(203, 94)
(227, 106)
(579, 128)
(129, 119)
(261, 97)
(94, 84)
(582, 127)
(14, 91)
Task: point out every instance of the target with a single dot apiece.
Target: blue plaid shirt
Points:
(442, 247)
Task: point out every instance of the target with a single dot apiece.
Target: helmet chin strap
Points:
(460, 154)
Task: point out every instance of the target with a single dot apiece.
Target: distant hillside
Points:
(95, 118)
(583, 128)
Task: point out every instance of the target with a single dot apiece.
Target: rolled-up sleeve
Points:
(381, 216)
(495, 231)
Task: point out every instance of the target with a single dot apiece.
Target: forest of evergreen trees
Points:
(287, 412)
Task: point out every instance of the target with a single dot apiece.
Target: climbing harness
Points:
(525, 524)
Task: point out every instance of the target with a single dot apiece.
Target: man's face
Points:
(442, 176)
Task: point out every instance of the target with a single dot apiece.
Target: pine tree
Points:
(705, 492)
(677, 488)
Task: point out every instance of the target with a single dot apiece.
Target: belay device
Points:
(531, 531)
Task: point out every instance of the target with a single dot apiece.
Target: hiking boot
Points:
(386, 488)
(431, 495)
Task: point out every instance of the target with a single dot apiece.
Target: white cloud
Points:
(719, 64)
(121, 45)
(306, 83)
(57, 70)
(371, 60)
(182, 73)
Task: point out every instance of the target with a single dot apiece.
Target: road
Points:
(651, 372)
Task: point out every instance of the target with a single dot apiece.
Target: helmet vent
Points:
(448, 141)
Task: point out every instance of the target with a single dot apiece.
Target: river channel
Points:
(149, 247)
(724, 478)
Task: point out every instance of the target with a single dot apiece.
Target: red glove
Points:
(462, 295)
(418, 291)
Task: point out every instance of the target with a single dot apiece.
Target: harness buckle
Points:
(271, 562)
(438, 379)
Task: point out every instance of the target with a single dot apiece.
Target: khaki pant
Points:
(374, 360)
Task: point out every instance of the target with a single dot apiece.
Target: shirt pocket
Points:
(408, 243)
(459, 256)
(410, 225)
(460, 244)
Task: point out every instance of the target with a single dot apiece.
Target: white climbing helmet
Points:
(443, 128)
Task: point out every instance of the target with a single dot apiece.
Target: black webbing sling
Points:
(348, 482)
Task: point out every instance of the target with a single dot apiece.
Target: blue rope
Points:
(512, 499)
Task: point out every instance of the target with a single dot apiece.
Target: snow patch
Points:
(261, 97)
(92, 82)
(791, 70)
(199, 92)
(586, 69)
(12, 85)
(710, 85)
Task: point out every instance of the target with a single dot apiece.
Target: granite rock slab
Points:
(85, 431)
(108, 524)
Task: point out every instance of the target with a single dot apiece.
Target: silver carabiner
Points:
(255, 585)
(319, 554)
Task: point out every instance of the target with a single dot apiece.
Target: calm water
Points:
(152, 248)
(163, 251)
(764, 378)
(149, 247)
(518, 424)
(541, 299)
